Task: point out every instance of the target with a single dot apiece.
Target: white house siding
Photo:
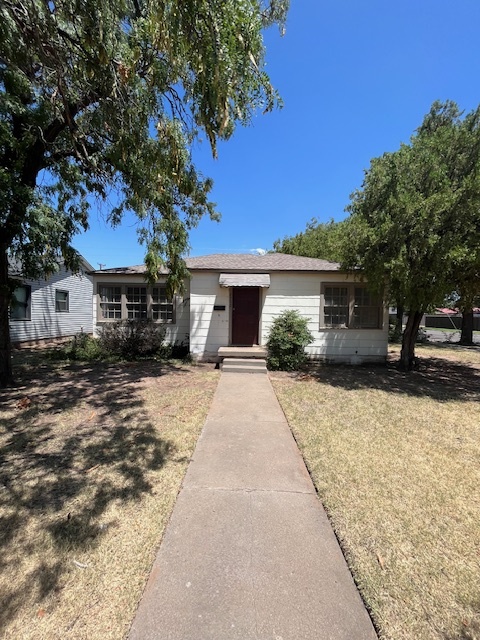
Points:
(209, 329)
(176, 332)
(45, 323)
(302, 291)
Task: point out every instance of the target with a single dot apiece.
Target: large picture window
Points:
(349, 306)
(20, 308)
(134, 302)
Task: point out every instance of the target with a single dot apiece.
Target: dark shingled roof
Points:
(243, 262)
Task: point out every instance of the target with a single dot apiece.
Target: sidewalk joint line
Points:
(248, 490)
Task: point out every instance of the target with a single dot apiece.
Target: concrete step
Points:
(244, 365)
(242, 352)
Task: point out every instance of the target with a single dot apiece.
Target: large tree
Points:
(102, 100)
(415, 223)
(319, 240)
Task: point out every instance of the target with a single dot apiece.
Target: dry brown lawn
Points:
(91, 460)
(395, 458)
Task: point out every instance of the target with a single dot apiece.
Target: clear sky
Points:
(356, 77)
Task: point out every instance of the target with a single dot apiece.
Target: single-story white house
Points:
(55, 307)
(231, 300)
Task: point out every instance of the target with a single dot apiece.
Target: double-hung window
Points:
(336, 306)
(349, 306)
(110, 302)
(20, 308)
(61, 301)
(367, 310)
(162, 307)
(136, 298)
(134, 302)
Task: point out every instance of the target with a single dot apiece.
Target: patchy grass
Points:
(91, 460)
(396, 461)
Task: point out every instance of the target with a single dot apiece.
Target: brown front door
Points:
(245, 316)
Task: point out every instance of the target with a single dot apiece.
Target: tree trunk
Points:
(398, 323)
(467, 327)
(5, 347)
(407, 354)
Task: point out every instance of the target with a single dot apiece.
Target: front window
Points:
(110, 302)
(162, 307)
(336, 307)
(136, 303)
(366, 309)
(350, 306)
(20, 307)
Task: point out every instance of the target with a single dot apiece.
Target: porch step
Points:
(244, 365)
(242, 352)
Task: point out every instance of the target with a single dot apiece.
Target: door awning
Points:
(244, 280)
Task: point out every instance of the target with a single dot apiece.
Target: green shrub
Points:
(132, 339)
(288, 337)
(81, 347)
(181, 350)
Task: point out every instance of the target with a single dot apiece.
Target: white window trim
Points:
(350, 286)
(123, 298)
(67, 310)
(28, 305)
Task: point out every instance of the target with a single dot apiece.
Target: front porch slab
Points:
(242, 352)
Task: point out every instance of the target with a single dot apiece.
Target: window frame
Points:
(136, 301)
(351, 299)
(115, 305)
(126, 305)
(67, 301)
(27, 305)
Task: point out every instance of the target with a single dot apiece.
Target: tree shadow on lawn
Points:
(79, 439)
(468, 629)
(436, 378)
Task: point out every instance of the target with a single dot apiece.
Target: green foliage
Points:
(109, 96)
(133, 339)
(288, 337)
(100, 102)
(125, 340)
(415, 224)
(82, 347)
(319, 240)
(416, 220)
(394, 336)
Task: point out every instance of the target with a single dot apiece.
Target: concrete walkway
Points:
(249, 553)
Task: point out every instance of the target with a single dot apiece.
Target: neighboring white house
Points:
(56, 307)
(232, 299)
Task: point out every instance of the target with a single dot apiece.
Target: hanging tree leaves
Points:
(102, 98)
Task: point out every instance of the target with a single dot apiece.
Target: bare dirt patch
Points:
(395, 458)
(91, 460)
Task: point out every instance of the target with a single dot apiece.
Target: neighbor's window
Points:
(110, 302)
(350, 306)
(134, 302)
(61, 301)
(20, 308)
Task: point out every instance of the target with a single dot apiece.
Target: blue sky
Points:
(356, 77)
